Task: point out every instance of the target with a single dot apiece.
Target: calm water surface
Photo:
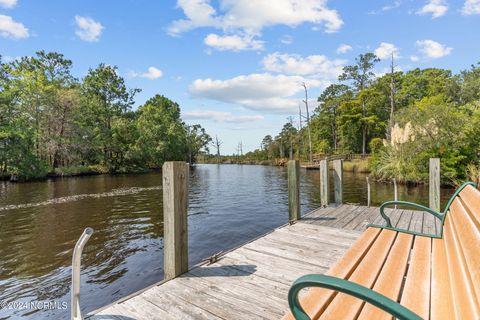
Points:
(228, 205)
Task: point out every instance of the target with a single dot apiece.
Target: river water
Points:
(228, 205)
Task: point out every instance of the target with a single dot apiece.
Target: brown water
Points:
(228, 205)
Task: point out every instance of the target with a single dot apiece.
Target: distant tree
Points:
(197, 141)
(329, 103)
(361, 74)
(287, 136)
(217, 143)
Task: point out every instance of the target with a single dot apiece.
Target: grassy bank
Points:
(73, 171)
(357, 165)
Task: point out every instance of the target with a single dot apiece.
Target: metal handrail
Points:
(76, 266)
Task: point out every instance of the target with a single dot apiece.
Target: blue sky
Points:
(236, 66)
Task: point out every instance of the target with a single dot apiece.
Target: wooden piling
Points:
(293, 190)
(434, 184)
(338, 180)
(175, 232)
(368, 192)
(395, 191)
(324, 183)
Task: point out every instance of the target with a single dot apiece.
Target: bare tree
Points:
(308, 123)
(217, 143)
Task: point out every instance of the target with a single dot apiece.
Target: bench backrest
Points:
(462, 245)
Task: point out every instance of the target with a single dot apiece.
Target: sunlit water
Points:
(228, 205)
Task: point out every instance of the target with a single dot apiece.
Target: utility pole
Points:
(239, 149)
(308, 123)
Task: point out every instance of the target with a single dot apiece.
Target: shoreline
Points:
(353, 166)
(73, 174)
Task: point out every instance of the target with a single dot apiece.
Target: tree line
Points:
(400, 118)
(52, 122)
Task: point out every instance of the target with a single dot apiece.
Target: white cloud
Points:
(151, 74)
(385, 50)
(88, 29)
(344, 48)
(387, 7)
(252, 16)
(10, 28)
(219, 116)
(264, 91)
(8, 3)
(414, 58)
(433, 49)
(286, 39)
(471, 7)
(293, 64)
(436, 8)
(233, 42)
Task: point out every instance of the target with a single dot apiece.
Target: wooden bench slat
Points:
(441, 307)
(365, 274)
(468, 236)
(463, 300)
(389, 283)
(471, 197)
(316, 300)
(416, 292)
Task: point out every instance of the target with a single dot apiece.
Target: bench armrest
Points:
(407, 204)
(348, 287)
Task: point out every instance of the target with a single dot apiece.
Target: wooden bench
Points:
(390, 272)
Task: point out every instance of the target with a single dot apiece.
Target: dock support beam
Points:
(175, 232)
(434, 184)
(293, 190)
(324, 183)
(338, 180)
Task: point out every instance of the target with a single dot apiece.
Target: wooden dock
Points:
(252, 281)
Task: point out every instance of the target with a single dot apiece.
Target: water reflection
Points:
(228, 205)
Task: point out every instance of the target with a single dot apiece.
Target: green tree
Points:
(161, 133)
(327, 114)
(106, 99)
(197, 141)
(287, 137)
(361, 74)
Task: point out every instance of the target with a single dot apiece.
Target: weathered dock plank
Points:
(252, 281)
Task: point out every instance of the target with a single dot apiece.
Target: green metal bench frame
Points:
(362, 292)
(439, 215)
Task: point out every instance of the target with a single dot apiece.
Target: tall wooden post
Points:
(338, 180)
(434, 184)
(369, 198)
(293, 190)
(395, 191)
(324, 183)
(175, 232)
